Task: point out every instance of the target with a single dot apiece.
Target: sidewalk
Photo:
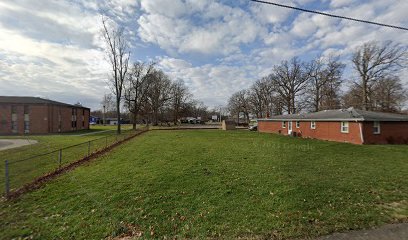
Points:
(386, 232)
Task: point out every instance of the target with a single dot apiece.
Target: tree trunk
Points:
(365, 97)
(317, 97)
(134, 121)
(118, 116)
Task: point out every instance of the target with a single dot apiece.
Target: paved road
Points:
(15, 143)
(386, 232)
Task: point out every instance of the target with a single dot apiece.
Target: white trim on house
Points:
(312, 124)
(377, 127)
(344, 127)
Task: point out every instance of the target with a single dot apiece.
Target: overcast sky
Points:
(53, 49)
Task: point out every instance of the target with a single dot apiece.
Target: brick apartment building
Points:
(33, 115)
(343, 125)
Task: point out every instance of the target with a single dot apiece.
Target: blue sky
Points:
(54, 49)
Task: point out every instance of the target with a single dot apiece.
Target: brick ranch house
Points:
(344, 125)
(33, 115)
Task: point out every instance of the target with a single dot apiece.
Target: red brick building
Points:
(32, 115)
(344, 125)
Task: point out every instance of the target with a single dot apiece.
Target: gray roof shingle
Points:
(33, 100)
(349, 114)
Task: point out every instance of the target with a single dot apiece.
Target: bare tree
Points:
(137, 88)
(374, 61)
(352, 98)
(262, 97)
(118, 56)
(179, 97)
(159, 93)
(389, 95)
(107, 105)
(239, 103)
(290, 81)
(325, 81)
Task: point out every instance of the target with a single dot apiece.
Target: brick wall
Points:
(43, 118)
(324, 130)
(391, 133)
(39, 119)
(5, 119)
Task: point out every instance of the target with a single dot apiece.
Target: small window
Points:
(377, 128)
(344, 127)
(13, 109)
(26, 126)
(297, 124)
(26, 109)
(283, 124)
(313, 125)
(14, 127)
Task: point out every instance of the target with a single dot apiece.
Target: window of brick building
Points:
(344, 127)
(3, 123)
(283, 124)
(313, 125)
(26, 119)
(14, 123)
(297, 124)
(59, 120)
(74, 118)
(377, 128)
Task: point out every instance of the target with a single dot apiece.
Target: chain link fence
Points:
(19, 172)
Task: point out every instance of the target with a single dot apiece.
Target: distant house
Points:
(94, 120)
(114, 121)
(33, 115)
(344, 125)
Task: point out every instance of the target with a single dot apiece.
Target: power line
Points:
(331, 15)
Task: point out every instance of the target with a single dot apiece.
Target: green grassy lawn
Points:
(25, 171)
(217, 184)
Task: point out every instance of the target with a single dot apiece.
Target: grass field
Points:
(211, 183)
(26, 171)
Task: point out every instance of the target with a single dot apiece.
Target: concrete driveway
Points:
(15, 143)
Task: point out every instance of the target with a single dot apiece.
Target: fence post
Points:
(7, 183)
(60, 157)
(89, 148)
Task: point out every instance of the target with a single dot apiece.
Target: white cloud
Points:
(210, 83)
(53, 48)
(172, 9)
(220, 30)
(341, 3)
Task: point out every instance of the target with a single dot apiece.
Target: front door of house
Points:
(289, 128)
